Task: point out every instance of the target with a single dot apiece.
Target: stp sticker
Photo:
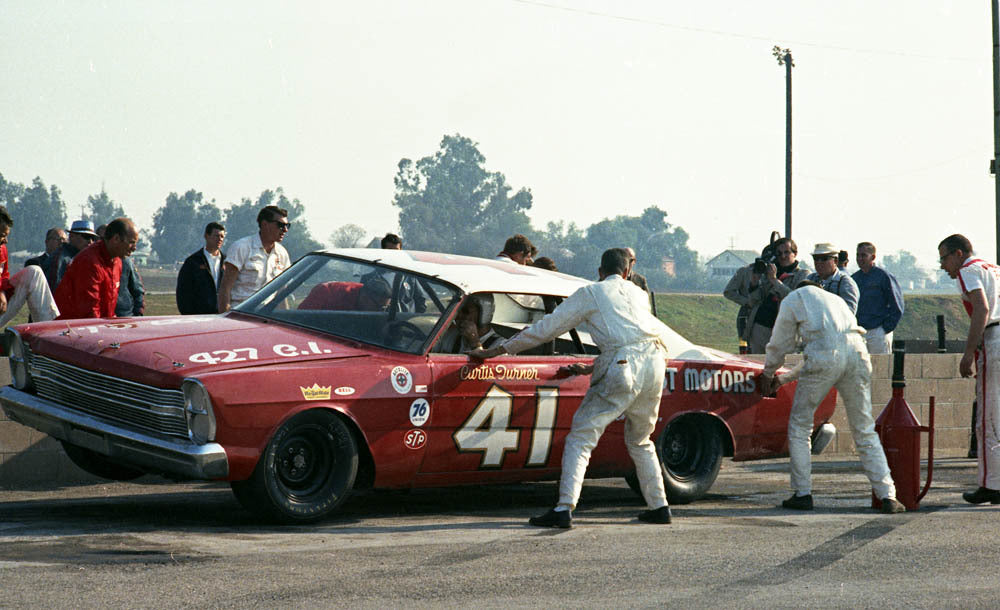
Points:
(414, 439)
(420, 412)
(401, 379)
(343, 390)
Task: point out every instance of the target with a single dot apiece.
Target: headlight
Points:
(20, 377)
(198, 409)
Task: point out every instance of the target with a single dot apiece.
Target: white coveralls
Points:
(976, 274)
(627, 379)
(834, 356)
(30, 286)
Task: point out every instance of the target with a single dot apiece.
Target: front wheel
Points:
(306, 471)
(690, 451)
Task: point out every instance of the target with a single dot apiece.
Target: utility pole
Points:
(996, 125)
(784, 57)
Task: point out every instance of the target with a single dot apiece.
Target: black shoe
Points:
(553, 518)
(657, 515)
(891, 506)
(982, 495)
(798, 502)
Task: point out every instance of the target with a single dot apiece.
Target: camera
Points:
(767, 255)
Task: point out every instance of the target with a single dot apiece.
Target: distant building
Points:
(729, 261)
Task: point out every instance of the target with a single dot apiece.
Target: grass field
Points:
(705, 319)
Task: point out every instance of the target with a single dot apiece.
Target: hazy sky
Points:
(599, 107)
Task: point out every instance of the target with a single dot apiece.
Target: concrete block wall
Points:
(28, 457)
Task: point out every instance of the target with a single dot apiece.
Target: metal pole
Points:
(788, 140)
(996, 123)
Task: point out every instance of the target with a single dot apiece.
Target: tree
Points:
(348, 236)
(241, 220)
(179, 225)
(102, 209)
(661, 250)
(904, 266)
(37, 210)
(448, 202)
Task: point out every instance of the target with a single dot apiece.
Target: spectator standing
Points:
(836, 357)
(880, 306)
(81, 235)
(759, 294)
(545, 263)
(54, 239)
(638, 279)
(518, 250)
(201, 273)
(89, 288)
(391, 241)
(979, 284)
(256, 259)
(831, 278)
(27, 286)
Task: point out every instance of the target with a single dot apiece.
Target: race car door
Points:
(501, 420)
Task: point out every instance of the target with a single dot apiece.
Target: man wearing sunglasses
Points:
(831, 278)
(979, 284)
(256, 259)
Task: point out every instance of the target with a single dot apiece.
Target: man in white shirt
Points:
(256, 259)
(199, 277)
(980, 288)
(834, 356)
(627, 379)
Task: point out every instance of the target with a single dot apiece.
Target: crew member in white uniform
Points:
(627, 379)
(977, 281)
(835, 355)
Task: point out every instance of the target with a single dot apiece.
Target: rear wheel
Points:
(306, 471)
(690, 451)
(100, 465)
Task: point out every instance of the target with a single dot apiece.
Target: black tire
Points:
(100, 465)
(690, 451)
(306, 471)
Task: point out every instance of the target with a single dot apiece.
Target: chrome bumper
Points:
(154, 454)
(822, 437)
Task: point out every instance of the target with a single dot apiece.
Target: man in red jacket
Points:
(89, 289)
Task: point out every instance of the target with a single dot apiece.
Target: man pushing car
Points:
(627, 379)
(835, 355)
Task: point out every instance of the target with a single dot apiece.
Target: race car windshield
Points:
(356, 300)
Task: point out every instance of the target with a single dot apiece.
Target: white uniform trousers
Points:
(840, 362)
(627, 381)
(30, 286)
(988, 413)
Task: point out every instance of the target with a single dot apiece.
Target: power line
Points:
(738, 35)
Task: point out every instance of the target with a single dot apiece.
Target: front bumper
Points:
(169, 457)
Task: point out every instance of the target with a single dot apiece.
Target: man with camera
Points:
(759, 287)
(831, 277)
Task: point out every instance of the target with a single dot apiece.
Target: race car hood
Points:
(161, 350)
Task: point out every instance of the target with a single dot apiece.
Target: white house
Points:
(728, 262)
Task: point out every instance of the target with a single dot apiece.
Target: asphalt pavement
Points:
(157, 544)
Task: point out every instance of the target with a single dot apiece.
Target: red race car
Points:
(345, 372)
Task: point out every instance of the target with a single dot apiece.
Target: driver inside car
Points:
(471, 327)
(372, 293)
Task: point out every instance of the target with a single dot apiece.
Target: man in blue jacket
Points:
(881, 305)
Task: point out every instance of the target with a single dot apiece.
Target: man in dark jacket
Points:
(198, 280)
(81, 235)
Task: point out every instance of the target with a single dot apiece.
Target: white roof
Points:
(472, 274)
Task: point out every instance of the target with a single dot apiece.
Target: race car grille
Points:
(134, 405)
